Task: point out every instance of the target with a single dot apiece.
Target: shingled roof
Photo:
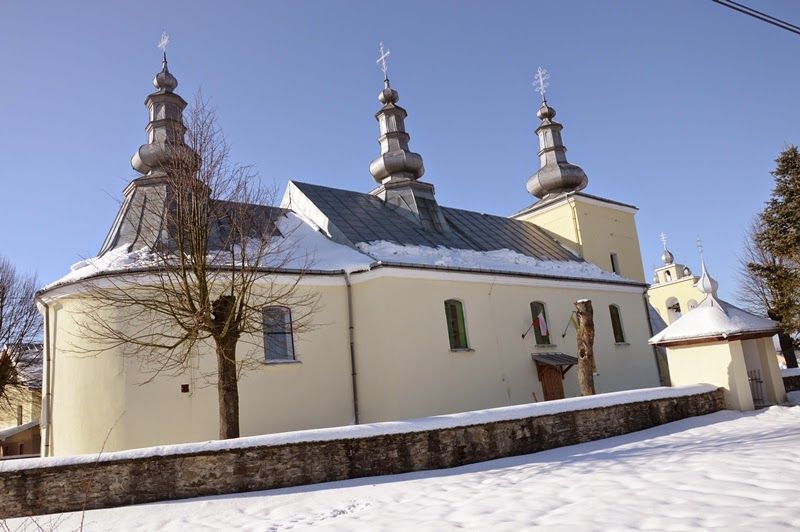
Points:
(356, 217)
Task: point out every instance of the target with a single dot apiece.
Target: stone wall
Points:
(63, 488)
(792, 384)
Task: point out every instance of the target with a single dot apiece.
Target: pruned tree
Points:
(20, 326)
(768, 286)
(585, 316)
(218, 255)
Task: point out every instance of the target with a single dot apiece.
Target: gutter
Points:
(352, 338)
(46, 402)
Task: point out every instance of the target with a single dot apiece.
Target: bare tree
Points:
(20, 325)
(767, 286)
(217, 259)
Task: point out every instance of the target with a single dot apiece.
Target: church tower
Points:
(397, 169)
(674, 290)
(599, 230)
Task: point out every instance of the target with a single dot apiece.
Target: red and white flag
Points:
(542, 324)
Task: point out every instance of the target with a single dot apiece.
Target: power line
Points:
(769, 19)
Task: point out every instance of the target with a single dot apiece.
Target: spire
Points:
(555, 174)
(396, 163)
(707, 284)
(165, 147)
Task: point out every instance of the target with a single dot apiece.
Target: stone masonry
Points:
(105, 484)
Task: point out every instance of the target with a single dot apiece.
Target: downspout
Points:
(46, 410)
(664, 379)
(352, 336)
(578, 237)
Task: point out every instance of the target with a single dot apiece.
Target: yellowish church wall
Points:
(594, 230)
(718, 363)
(31, 402)
(104, 395)
(406, 367)
(760, 354)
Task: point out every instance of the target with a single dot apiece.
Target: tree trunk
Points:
(585, 316)
(787, 348)
(228, 389)
(226, 336)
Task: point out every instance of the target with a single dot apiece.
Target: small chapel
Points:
(424, 308)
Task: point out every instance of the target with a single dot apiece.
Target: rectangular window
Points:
(614, 263)
(278, 339)
(456, 330)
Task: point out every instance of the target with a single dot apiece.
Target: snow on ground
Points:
(504, 260)
(727, 470)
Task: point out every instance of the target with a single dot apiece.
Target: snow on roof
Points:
(306, 248)
(7, 433)
(502, 260)
(714, 318)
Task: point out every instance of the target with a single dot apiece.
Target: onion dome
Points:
(686, 271)
(667, 257)
(396, 161)
(556, 174)
(707, 284)
(164, 80)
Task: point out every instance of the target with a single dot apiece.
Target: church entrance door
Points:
(552, 381)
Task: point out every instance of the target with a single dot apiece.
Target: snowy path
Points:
(725, 470)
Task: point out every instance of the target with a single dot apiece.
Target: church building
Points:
(424, 309)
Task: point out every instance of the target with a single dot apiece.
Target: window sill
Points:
(545, 346)
(621, 344)
(279, 362)
(462, 350)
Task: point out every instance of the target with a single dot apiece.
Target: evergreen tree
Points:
(779, 236)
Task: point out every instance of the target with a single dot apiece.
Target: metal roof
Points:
(362, 217)
(555, 359)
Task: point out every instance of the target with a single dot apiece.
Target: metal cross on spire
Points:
(382, 62)
(699, 243)
(664, 239)
(162, 43)
(541, 83)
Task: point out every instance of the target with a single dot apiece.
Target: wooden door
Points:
(552, 381)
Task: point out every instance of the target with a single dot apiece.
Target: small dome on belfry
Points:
(164, 80)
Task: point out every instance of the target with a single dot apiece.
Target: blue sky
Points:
(679, 107)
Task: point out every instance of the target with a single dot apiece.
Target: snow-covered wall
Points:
(41, 486)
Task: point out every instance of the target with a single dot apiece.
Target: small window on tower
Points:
(614, 263)
(667, 276)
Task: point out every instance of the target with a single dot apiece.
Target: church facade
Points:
(423, 309)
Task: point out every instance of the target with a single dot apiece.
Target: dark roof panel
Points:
(365, 218)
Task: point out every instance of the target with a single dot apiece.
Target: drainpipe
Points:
(46, 402)
(351, 329)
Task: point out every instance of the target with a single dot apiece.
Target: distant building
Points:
(21, 408)
(424, 309)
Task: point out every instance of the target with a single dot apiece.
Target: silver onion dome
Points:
(555, 174)
(667, 257)
(164, 80)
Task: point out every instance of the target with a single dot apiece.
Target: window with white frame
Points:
(278, 339)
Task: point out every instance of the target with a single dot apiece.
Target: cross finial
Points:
(664, 239)
(382, 62)
(541, 83)
(162, 43)
(699, 243)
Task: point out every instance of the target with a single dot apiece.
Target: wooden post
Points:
(585, 316)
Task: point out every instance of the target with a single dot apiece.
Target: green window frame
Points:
(541, 327)
(616, 324)
(456, 327)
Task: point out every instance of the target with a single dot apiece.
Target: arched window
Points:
(667, 276)
(278, 339)
(456, 328)
(616, 324)
(673, 309)
(541, 328)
